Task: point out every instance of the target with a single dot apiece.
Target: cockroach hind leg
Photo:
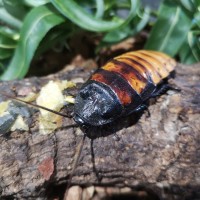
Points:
(162, 89)
(176, 89)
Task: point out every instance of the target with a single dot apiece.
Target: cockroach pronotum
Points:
(119, 88)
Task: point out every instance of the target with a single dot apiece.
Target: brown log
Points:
(160, 152)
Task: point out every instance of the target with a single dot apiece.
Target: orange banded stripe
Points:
(136, 65)
(167, 61)
(162, 70)
(131, 75)
(122, 89)
(150, 69)
(155, 64)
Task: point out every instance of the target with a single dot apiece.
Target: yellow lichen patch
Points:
(66, 84)
(70, 99)
(50, 97)
(47, 127)
(3, 108)
(19, 124)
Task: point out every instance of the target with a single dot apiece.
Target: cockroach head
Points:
(96, 105)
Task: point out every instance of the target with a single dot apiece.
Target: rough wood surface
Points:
(160, 152)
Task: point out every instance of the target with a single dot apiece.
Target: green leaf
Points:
(190, 50)
(188, 4)
(6, 42)
(170, 30)
(2, 67)
(122, 33)
(35, 3)
(127, 30)
(10, 33)
(5, 53)
(9, 19)
(79, 16)
(55, 37)
(37, 23)
(16, 8)
(196, 20)
(142, 21)
(100, 8)
(197, 4)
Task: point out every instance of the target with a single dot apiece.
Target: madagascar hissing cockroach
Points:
(119, 88)
(122, 86)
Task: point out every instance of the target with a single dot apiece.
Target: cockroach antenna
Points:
(34, 105)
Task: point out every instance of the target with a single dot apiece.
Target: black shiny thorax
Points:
(96, 104)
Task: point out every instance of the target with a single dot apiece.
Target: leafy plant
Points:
(24, 24)
(177, 30)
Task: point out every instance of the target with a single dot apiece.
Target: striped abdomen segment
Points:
(133, 76)
(155, 65)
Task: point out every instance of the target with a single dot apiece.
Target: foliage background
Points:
(28, 28)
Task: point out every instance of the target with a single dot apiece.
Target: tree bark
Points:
(160, 152)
